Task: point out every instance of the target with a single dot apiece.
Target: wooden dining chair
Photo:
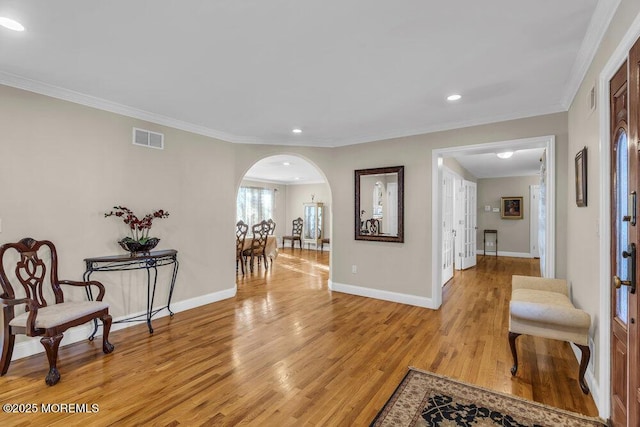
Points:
(258, 245)
(34, 264)
(296, 233)
(272, 226)
(373, 226)
(241, 235)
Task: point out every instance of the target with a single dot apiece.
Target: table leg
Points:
(173, 282)
(86, 277)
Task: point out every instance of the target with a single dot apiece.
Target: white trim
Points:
(600, 20)
(616, 59)
(508, 254)
(80, 333)
(382, 295)
(113, 107)
(42, 88)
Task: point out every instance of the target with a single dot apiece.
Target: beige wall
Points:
(513, 235)
(65, 165)
(75, 162)
(583, 257)
(453, 165)
(194, 179)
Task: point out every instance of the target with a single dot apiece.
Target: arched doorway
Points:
(282, 188)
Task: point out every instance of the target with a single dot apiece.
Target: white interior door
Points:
(447, 225)
(534, 216)
(469, 214)
(458, 223)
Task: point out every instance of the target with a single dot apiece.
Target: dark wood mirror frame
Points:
(381, 237)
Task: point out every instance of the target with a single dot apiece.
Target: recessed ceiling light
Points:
(454, 97)
(11, 24)
(505, 154)
(296, 130)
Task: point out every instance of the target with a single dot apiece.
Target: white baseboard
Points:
(503, 253)
(80, 333)
(382, 295)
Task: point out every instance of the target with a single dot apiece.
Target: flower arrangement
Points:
(139, 227)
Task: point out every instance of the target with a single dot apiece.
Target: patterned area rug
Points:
(427, 399)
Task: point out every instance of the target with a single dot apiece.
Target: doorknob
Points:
(631, 283)
(618, 282)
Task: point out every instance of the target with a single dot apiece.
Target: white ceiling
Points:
(274, 169)
(524, 162)
(343, 71)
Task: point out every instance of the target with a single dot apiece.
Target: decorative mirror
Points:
(379, 201)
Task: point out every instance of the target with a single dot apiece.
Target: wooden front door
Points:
(624, 101)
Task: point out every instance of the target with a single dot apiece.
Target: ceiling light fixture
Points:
(454, 97)
(296, 130)
(11, 24)
(286, 164)
(505, 154)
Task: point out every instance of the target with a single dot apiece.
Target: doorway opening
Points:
(547, 252)
(286, 187)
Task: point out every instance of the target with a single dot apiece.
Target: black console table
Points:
(149, 261)
(495, 240)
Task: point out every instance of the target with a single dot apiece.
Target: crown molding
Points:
(600, 20)
(46, 89)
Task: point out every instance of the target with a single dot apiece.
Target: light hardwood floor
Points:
(286, 351)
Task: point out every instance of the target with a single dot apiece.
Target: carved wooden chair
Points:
(258, 244)
(296, 233)
(48, 321)
(241, 234)
(272, 226)
(373, 226)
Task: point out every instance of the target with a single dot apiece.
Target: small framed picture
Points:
(581, 177)
(511, 208)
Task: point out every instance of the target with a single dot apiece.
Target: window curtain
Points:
(254, 204)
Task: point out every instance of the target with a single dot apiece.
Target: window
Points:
(254, 204)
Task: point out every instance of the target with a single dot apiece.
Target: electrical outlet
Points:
(354, 269)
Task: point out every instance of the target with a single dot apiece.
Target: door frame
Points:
(617, 58)
(437, 163)
(534, 190)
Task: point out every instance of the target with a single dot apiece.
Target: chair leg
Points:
(7, 351)
(514, 353)
(107, 347)
(51, 345)
(584, 362)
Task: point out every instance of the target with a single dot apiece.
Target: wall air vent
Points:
(146, 138)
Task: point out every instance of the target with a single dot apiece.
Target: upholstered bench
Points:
(541, 307)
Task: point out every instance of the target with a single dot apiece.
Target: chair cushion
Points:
(548, 314)
(58, 314)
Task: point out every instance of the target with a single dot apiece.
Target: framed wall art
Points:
(581, 177)
(511, 208)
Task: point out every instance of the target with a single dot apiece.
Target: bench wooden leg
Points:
(584, 362)
(514, 353)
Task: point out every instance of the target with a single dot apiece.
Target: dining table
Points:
(271, 250)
